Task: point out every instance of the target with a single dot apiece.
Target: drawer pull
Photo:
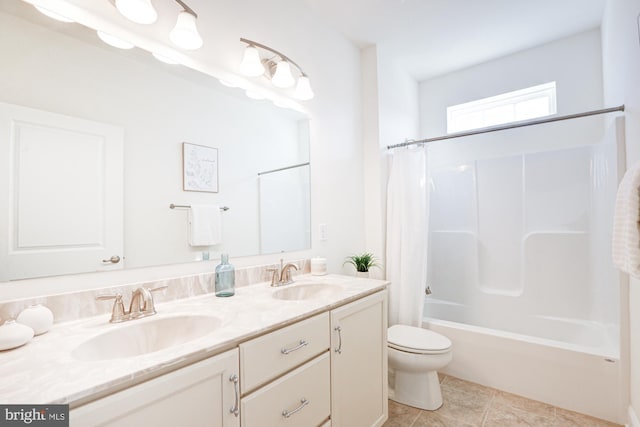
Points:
(291, 350)
(303, 402)
(339, 330)
(235, 410)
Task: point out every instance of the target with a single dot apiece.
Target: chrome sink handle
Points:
(117, 312)
(275, 276)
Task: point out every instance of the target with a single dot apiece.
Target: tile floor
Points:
(468, 404)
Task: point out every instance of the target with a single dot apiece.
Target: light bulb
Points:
(303, 90)
(139, 11)
(283, 77)
(251, 64)
(185, 34)
(114, 41)
(53, 15)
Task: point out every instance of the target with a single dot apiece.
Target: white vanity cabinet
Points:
(290, 377)
(199, 395)
(359, 363)
(328, 370)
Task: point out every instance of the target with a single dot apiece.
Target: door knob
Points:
(114, 259)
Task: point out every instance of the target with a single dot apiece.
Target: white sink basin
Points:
(306, 291)
(145, 336)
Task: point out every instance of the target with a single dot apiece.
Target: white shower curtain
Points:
(407, 219)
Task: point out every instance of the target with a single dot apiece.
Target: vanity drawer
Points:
(271, 355)
(309, 383)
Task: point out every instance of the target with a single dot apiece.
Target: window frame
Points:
(455, 112)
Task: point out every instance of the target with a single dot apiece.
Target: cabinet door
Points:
(359, 363)
(201, 394)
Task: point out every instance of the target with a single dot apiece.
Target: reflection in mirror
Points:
(63, 71)
(284, 228)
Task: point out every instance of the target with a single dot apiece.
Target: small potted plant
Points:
(362, 262)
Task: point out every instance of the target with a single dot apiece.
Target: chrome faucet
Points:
(282, 276)
(142, 304)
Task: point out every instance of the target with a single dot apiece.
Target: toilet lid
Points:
(416, 340)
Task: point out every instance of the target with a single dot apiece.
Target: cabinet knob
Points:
(113, 260)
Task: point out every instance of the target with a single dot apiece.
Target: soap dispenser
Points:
(225, 277)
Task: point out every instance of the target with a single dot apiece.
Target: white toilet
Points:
(415, 355)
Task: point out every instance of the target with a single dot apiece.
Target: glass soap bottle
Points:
(225, 277)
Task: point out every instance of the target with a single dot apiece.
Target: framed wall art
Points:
(199, 168)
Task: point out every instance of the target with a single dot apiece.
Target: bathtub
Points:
(581, 373)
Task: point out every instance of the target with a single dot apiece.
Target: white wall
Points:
(390, 108)
(621, 59)
(374, 183)
(574, 63)
(335, 129)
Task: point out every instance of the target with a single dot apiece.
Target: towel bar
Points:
(173, 206)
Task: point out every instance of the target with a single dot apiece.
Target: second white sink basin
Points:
(144, 336)
(306, 291)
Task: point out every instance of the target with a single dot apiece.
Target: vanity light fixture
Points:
(53, 15)
(283, 77)
(184, 34)
(303, 90)
(277, 68)
(251, 64)
(138, 11)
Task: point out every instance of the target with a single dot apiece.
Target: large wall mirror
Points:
(59, 84)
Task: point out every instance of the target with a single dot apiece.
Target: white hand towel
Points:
(626, 235)
(205, 228)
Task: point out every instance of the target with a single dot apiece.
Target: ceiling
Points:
(428, 38)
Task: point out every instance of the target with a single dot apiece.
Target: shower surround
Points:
(520, 266)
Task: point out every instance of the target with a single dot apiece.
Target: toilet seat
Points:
(417, 340)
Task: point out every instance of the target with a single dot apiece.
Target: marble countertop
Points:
(45, 370)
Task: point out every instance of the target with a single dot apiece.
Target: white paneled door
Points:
(61, 192)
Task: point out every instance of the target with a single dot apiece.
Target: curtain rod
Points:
(509, 126)
(283, 169)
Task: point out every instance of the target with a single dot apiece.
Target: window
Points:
(523, 104)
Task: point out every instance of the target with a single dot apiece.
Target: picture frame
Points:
(199, 168)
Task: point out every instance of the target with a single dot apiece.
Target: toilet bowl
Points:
(415, 355)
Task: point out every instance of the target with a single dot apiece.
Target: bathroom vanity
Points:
(311, 353)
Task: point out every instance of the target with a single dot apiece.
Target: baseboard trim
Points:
(633, 417)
